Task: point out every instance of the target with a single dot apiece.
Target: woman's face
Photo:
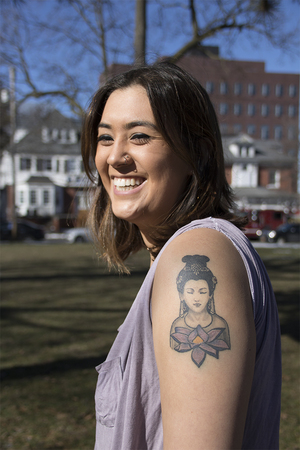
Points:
(144, 190)
(196, 295)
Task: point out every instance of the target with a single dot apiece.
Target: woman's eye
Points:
(105, 139)
(140, 138)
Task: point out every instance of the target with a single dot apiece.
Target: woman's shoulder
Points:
(198, 235)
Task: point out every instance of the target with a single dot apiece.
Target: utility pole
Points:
(140, 32)
(12, 104)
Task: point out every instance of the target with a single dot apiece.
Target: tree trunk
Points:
(140, 32)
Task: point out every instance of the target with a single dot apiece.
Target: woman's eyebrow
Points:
(140, 123)
(130, 125)
(104, 125)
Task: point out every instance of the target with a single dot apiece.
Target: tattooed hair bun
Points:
(196, 269)
(200, 260)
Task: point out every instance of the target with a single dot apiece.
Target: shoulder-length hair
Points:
(187, 121)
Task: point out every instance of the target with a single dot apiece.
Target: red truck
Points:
(263, 220)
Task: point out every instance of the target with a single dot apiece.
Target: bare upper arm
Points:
(205, 372)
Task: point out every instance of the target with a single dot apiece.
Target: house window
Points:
(278, 90)
(21, 197)
(25, 163)
(54, 134)
(48, 164)
(278, 132)
(45, 135)
(292, 111)
(244, 152)
(237, 128)
(57, 165)
(223, 108)
(223, 128)
(32, 197)
(251, 152)
(265, 132)
(274, 178)
(292, 90)
(237, 109)
(251, 89)
(209, 87)
(291, 133)
(63, 136)
(264, 110)
(251, 129)
(46, 197)
(251, 109)
(223, 88)
(70, 165)
(265, 90)
(73, 137)
(278, 110)
(237, 89)
(43, 164)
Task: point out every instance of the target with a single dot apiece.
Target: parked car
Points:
(288, 232)
(263, 235)
(25, 230)
(77, 235)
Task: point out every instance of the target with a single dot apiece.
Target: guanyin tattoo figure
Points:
(198, 328)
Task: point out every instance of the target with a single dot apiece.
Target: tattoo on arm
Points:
(198, 328)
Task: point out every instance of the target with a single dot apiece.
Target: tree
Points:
(60, 47)
(140, 31)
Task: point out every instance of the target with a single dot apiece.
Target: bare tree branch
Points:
(61, 53)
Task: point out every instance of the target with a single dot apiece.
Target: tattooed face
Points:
(196, 295)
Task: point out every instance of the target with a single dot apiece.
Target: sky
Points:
(241, 48)
(275, 60)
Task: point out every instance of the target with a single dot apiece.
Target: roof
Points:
(264, 153)
(39, 180)
(57, 135)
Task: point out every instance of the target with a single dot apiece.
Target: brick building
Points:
(248, 99)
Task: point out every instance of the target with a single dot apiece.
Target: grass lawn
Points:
(60, 311)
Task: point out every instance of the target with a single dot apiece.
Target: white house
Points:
(260, 173)
(46, 164)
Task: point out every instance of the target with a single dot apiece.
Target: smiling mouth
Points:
(127, 184)
(197, 305)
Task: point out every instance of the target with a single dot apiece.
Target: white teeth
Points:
(126, 183)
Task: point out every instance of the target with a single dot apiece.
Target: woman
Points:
(152, 144)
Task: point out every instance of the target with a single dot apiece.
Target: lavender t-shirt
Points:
(128, 409)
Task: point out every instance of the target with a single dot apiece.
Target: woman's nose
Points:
(117, 155)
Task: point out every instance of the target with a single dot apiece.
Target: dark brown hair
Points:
(187, 121)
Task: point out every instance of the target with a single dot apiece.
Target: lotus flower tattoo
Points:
(199, 342)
